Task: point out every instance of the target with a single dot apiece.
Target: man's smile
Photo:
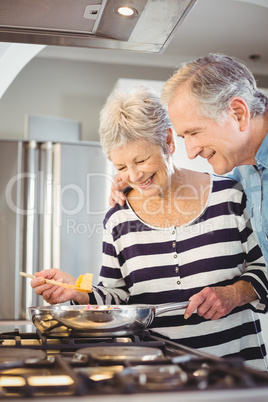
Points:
(212, 154)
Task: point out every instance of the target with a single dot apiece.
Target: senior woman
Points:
(181, 235)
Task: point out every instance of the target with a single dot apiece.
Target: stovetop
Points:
(33, 366)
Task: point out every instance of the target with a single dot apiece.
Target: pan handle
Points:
(170, 307)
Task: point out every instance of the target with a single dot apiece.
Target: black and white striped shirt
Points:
(152, 265)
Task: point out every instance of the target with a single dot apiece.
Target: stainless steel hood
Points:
(93, 23)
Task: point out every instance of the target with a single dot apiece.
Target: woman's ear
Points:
(170, 143)
(240, 110)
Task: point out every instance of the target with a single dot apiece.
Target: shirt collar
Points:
(261, 156)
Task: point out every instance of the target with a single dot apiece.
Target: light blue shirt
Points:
(254, 180)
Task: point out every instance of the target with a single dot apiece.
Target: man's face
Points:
(219, 143)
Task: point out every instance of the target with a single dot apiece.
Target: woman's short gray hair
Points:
(130, 116)
(213, 80)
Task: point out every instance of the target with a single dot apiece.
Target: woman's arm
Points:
(54, 294)
(216, 302)
(252, 286)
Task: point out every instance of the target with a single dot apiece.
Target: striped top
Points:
(152, 265)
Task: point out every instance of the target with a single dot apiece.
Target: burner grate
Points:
(37, 340)
(77, 365)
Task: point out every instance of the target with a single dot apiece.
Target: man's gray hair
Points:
(130, 116)
(213, 80)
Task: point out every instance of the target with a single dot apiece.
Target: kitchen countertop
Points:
(246, 395)
(22, 325)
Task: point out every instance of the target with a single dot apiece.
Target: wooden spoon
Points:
(53, 282)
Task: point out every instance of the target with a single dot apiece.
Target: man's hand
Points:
(116, 195)
(216, 302)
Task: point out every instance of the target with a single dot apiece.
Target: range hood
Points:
(93, 23)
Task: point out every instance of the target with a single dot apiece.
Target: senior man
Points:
(215, 105)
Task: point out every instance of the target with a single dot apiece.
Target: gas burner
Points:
(10, 358)
(34, 365)
(162, 377)
(119, 354)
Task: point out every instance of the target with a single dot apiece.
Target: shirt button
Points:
(178, 282)
(173, 231)
(174, 244)
(175, 256)
(177, 269)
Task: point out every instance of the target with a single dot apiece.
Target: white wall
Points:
(65, 88)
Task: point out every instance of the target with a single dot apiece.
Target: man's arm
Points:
(117, 196)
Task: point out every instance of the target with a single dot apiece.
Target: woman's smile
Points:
(147, 182)
(142, 165)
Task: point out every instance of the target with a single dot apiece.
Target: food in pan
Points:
(101, 307)
(84, 281)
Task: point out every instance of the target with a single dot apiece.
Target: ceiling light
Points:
(126, 11)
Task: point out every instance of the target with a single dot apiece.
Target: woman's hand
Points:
(216, 302)
(116, 195)
(53, 294)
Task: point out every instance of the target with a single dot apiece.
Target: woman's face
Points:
(144, 166)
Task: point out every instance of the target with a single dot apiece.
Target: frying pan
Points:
(98, 320)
